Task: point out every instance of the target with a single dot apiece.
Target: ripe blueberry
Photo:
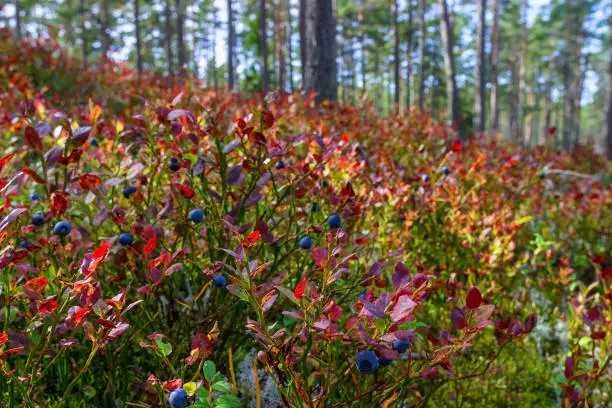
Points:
(306, 243)
(128, 191)
(24, 245)
(315, 207)
(400, 345)
(280, 164)
(38, 219)
(175, 166)
(34, 197)
(196, 216)
(178, 398)
(334, 221)
(62, 228)
(93, 141)
(385, 361)
(126, 239)
(425, 178)
(219, 281)
(324, 183)
(367, 362)
(445, 171)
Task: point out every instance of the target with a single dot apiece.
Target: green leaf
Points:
(288, 294)
(190, 387)
(209, 370)
(227, 400)
(222, 386)
(165, 348)
(201, 404)
(202, 393)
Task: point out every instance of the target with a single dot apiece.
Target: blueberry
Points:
(175, 166)
(334, 221)
(306, 243)
(126, 239)
(425, 178)
(324, 183)
(219, 281)
(385, 361)
(445, 171)
(315, 207)
(38, 219)
(367, 362)
(93, 141)
(128, 191)
(174, 160)
(400, 345)
(196, 216)
(178, 398)
(280, 164)
(401, 219)
(34, 197)
(62, 228)
(24, 244)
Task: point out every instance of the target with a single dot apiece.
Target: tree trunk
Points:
(180, 36)
(104, 27)
(528, 131)
(289, 45)
(214, 50)
(577, 80)
(479, 108)
(548, 96)
(280, 29)
(494, 65)
(522, 77)
(361, 24)
(422, 40)
(609, 119)
(230, 46)
(168, 36)
(263, 47)
(396, 56)
(452, 92)
(320, 72)
(84, 45)
(410, 58)
(138, 39)
(18, 18)
(302, 28)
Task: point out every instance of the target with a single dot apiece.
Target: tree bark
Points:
(361, 24)
(422, 40)
(168, 36)
(138, 39)
(494, 66)
(214, 50)
(289, 45)
(104, 27)
(302, 29)
(548, 96)
(396, 55)
(609, 119)
(84, 45)
(320, 72)
(263, 47)
(452, 92)
(180, 36)
(522, 76)
(410, 58)
(280, 29)
(479, 108)
(18, 18)
(230, 45)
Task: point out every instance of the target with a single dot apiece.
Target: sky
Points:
(591, 84)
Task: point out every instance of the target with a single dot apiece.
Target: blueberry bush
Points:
(163, 244)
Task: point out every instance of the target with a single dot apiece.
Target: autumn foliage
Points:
(494, 271)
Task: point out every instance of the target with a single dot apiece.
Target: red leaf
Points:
(10, 351)
(552, 130)
(89, 181)
(474, 298)
(33, 139)
(59, 203)
(33, 175)
(150, 246)
(5, 160)
(251, 239)
(185, 191)
(299, 289)
(80, 315)
(99, 256)
(457, 146)
(48, 306)
(37, 284)
(3, 338)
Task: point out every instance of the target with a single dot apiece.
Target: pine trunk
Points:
(18, 18)
(548, 96)
(396, 56)
(479, 108)
(138, 39)
(302, 28)
(494, 66)
(84, 45)
(609, 97)
(263, 47)
(452, 92)
(180, 36)
(409, 58)
(230, 45)
(168, 36)
(280, 29)
(289, 45)
(422, 38)
(104, 27)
